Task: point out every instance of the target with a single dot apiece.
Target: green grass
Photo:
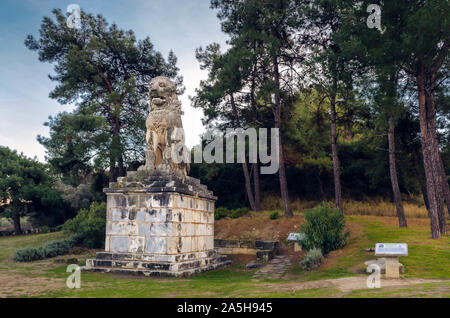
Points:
(10, 244)
(223, 283)
(229, 282)
(427, 259)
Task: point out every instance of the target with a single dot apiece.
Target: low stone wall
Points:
(263, 250)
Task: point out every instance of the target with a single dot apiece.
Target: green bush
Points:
(221, 213)
(28, 254)
(89, 226)
(237, 213)
(44, 229)
(273, 215)
(49, 249)
(312, 259)
(324, 229)
(55, 248)
(300, 238)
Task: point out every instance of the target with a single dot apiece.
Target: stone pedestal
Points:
(297, 247)
(392, 267)
(158, 224)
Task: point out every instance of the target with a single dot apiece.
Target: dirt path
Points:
(349, 284)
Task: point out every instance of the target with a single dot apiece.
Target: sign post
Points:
(391, 252)
(296, 237)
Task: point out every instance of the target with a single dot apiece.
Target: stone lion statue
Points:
(166, 150)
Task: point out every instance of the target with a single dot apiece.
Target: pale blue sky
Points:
(180, 25)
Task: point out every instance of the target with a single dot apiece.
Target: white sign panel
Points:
(293, 236)
(391, 249)
(296, 236)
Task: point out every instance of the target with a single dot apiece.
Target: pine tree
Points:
(415, 38)
(105, 72)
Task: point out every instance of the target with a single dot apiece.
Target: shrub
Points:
(273, 215)
(324, 229)
(89, 226)
(55, 248)
(221, 213)
(300, 238)
(312, 259)
(28, 254)
(49, 249)
(237, 213)
(44, 229)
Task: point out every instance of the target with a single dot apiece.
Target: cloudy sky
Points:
(180, 25)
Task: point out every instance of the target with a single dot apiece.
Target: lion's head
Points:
(163, 93)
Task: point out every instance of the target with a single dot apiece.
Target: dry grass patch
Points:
(383, 208)
(257, 226)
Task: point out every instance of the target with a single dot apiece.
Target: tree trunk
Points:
(427, 151)
(439, 186)
(112, 169)
(423, 188)
(334, 150)
(393, 173)
(445, 185)
(281, 171)
(421, 176)
(121, 172)
(255, 166)
(435, 157)
(256, 186)
(115, 153)
(319, 182)
(16, 220)
(248, 185)
(283, 183)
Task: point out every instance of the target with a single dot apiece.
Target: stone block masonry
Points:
(160, 223)
(163, 226)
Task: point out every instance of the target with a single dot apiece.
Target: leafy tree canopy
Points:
(26, 189)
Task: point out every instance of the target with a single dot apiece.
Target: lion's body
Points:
(164, 128)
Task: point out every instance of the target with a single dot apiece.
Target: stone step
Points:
(158, 273)
(265, 255)
(157, 266)
(155, 257)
